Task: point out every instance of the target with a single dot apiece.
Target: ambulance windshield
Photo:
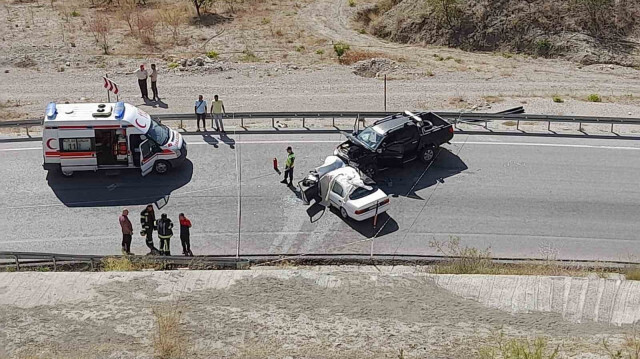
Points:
(158, 133)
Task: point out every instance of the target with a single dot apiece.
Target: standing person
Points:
(185, 224)
(201, 113)
(217, 109)
(154, 80)
(127, 232)
(142, 75)
(165, 232)
(288, 166)
(148, 222)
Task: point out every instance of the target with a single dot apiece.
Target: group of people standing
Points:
(142, 74)
(217, 110)
(164, 227)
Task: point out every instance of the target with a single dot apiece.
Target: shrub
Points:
(557, 99)
(352, 3)
(438, 57)
(519, 349)
(340, 48)
(543, 47)
(320, 52)
(75, 13)
(173, 65)
(249, 56)
(212, 54)
(506, 55)
(632, 273)
(362, 31)
(101, 29)
(594, 97)
(173, 18)
(265, 21)
(169, 339)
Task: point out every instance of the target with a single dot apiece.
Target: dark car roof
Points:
(386, 125)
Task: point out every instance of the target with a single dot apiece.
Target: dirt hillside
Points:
(586, 31)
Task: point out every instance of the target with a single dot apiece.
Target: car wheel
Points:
(161, 167)
(427, 154)
(370, 170)
(67, 173)
(343, 213)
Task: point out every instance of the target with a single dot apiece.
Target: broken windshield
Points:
(370, 138)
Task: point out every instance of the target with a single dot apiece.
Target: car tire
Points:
(343, 213)
(370, 170)
(161, 167)
(428, 154)
(66, 173)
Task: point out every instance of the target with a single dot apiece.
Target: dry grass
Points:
(519, 348)
(169, 337)
(632, 273)
(353, 56)
(7, 110)
(470, 260)
(125, 264)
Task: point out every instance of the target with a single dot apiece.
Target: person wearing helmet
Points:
(165, 232)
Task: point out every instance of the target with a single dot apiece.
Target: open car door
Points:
(392, 154)
(147, 157)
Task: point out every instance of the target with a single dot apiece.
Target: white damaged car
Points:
(335, 184)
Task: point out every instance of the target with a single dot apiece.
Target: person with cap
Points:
(148, 223)
(165, 232)
(185, 224)
(288, 166)
(127, 232)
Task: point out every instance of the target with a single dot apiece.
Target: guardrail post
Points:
(580, 126)
(612, 127)
(273, 124)
(17, 263)
(55, 267)
(333, 121)
(485, 125)
(549, 126)
(303, 126)
(181, 125)
(518, 125)
(92, 265)
(27, 128)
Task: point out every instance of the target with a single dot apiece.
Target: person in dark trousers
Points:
(288, 166)
(165, 232)
(154, 81)
(201, 113)
(127, 232)
(148, 222)
(185, 224)
(142, 75)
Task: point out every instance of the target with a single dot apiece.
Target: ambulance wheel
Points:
(67, 173)
(161, 167)
(343, 213)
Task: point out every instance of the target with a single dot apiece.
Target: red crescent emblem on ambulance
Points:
(139, 125)
(49, 143)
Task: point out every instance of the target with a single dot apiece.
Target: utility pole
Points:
(239, 177)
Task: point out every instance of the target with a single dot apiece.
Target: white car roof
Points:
(85, 114)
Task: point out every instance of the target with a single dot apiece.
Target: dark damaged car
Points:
(395, 140)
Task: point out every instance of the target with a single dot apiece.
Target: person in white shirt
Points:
(142, 75)
(201, 113)
(154, 80)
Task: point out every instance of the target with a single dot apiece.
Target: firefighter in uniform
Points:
(148, 222)
(288, 166)
(165, 231)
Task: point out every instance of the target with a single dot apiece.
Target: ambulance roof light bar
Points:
(119, 110)
(51, 111)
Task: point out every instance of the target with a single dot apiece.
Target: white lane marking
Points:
(531, 144)
(550, 145)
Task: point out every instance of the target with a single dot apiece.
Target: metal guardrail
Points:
(18, 259)
(454, 117)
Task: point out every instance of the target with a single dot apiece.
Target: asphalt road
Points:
(521, 196)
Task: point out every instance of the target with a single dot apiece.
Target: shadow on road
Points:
(118, 188)
(399, 181)
(385, 224)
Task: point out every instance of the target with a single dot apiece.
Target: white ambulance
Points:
(95, 136)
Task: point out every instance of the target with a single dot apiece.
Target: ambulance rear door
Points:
(77, 149)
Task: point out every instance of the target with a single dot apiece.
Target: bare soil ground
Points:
(292, 66)
(280, 313)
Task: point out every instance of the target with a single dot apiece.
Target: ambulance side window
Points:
(77, 144)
